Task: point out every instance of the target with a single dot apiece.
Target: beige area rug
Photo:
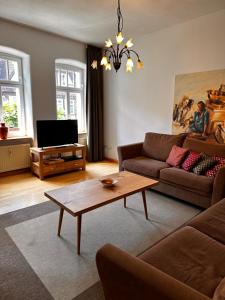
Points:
(65, 274)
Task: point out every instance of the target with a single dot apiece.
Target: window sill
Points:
(16, 141)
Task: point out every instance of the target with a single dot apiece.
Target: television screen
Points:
(56, 132)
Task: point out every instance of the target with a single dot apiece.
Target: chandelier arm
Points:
(122, 50)
(107, 50)
(113, 50)
(126, 54)
(111, 54)
(135, 53)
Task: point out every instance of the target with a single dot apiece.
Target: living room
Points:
(51, 66)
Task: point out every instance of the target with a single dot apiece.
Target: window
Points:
(11, 93)
(70, 91)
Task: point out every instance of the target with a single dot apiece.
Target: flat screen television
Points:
(56, 132)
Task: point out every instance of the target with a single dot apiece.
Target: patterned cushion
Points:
(176, 156)
(212, 171)
(191, 160)
(219, 159)
(204, 165)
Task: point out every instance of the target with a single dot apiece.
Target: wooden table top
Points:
(87, 195)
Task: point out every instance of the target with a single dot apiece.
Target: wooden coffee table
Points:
(85, 196)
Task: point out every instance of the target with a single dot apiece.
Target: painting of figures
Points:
(199, 105)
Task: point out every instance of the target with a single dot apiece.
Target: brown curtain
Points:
(94, 104)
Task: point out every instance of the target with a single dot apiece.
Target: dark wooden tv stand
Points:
(43, 163)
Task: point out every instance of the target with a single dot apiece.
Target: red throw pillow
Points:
(176, 156)
(191, 160)
(212, 172)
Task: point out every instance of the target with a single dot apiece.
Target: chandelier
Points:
(115, 51)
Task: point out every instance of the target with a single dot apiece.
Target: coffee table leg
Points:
(145, 204)
(60, 220)
(125, 202)
(79, 219)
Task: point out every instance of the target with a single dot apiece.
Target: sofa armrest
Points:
(125, 277)
(219, 186)
(128, 151)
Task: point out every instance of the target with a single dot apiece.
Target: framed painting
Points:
(199, 105)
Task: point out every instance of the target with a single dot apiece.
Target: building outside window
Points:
(12, 93)
(70, 92)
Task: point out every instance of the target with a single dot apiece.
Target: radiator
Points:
(14, 157)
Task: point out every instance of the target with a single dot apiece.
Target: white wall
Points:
(143, 101)
(43, 49)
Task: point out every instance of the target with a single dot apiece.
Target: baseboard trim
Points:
(14, 172)
(111, 159)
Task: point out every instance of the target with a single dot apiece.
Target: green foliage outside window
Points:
(60, 114)
(10, 115)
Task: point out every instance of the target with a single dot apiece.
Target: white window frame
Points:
(68, 90)
(20, 84)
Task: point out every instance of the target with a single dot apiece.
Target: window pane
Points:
(61, 102)
(78, 80)
(63, 78)
(11, 105)
(70, 79)
(13, 70)
(3, 69)
(57, 77)
(73, 106)
(70, 102)
(76, 109)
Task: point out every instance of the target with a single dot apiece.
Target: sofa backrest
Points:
(158, 146)
(203, 146)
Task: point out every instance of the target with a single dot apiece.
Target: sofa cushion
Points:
(190, 257)
(212, 172)
(204, 165)
(188, 180)
(212, 221)
(145, 166)
(219, 159)
(158, 146)
(176, 156)
(191, 160)
(202, 146)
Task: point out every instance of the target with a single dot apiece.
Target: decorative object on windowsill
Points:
(114, 52)
(3, 131)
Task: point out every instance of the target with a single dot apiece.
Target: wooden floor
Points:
(23, 190)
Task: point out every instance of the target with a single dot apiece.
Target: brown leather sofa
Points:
(189, 264)
(149, 159)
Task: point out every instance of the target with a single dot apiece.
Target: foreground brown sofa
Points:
(189, 264)
(149, 159)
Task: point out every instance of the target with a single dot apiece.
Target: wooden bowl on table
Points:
(108, 182)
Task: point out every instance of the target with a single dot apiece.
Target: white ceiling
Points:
(92, 21)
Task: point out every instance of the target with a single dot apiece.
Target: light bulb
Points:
(108, 66)
(129, 69)
(94, 64)
(140, 64)
(104, 61)
(119, 38)
(130, 62)
(129, 43)
(108, 43)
